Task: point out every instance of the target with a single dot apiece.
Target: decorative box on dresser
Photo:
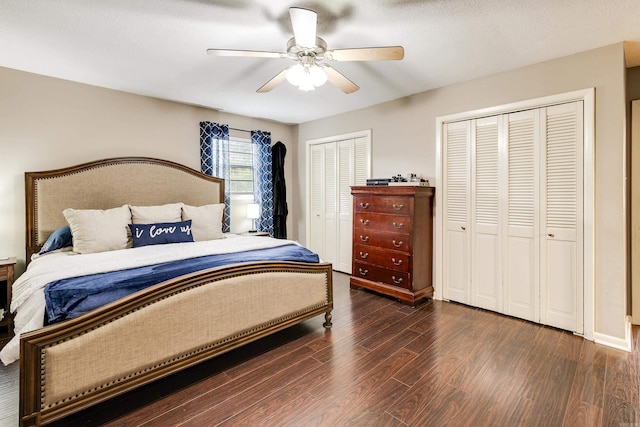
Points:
(393, 241)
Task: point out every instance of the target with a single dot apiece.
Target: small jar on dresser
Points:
(6, 282)
(393, 241)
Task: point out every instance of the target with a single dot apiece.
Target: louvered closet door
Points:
(561, 184)
(330, 205)
(486, 276)
(354, 160)
(346, 172)
(456, 199)
(521, 241)
(316, 205)
(333, 168)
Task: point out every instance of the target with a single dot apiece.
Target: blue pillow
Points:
(161, 233)
(61, 238)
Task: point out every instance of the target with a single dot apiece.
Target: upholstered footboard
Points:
(73, 365)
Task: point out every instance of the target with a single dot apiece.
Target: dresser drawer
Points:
(386, 204)
(374, 273)
(383, 257)
(382, 222)
(395, 241)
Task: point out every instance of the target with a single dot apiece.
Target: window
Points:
(241, 166)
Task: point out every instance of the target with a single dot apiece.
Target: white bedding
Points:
(28, 301)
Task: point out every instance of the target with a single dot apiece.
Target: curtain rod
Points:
(240, 130)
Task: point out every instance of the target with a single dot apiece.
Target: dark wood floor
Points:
(383, 363)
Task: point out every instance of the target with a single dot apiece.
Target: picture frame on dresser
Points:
(393, 241)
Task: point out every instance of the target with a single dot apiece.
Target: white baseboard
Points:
(619, 343)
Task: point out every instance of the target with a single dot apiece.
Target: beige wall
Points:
(48, 123)
(403, 140)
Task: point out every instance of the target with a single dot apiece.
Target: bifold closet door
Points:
(334, 168)
(323, 220)
(512, 214)
(521, 259)
(486, 270)
(456, 219)
(561, 280)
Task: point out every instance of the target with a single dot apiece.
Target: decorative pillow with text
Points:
(161, 233)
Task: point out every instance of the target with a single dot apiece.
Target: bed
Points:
(75, 363)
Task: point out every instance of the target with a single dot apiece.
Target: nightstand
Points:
(6, 281)
(257, 233)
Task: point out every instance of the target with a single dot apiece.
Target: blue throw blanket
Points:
(69, 298)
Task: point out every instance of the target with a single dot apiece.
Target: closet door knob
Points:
(463, 228)
(551, 235)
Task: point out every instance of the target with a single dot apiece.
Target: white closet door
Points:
(561, 184)
(456, 199)
(316, 217)
(330, 210)
(334, 166)
(521, 236)
(346, 172)
(486, 280)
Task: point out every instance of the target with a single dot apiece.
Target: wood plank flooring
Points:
(386, 364)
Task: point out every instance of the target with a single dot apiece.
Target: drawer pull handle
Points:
(396, 281)
(396, 262)
(397, 245)
(397, 207)
(364, 255)
(363, 272)
(364, 238)
(364, 221)
(364, 205)
(398, 225)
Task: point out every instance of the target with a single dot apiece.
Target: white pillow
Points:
(206, 221)
(96, 230)
(153, 214)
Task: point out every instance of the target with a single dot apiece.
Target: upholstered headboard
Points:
(107, 184)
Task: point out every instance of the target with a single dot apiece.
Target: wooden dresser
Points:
(393, 241)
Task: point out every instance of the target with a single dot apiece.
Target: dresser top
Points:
(393, 190)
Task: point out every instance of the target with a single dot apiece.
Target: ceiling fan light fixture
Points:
(318, 76)
(306, 77)
(295, 74)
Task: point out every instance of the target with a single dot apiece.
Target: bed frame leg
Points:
(327, 317)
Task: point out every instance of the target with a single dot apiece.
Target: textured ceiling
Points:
(158, 47)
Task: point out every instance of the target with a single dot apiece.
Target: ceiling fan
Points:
(309, 51)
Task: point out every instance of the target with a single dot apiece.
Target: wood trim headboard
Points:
(110, 183)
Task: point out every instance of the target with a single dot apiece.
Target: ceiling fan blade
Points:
(338, 79)
(279, 78)
(304, 23)
(366, 54)
(247, 53)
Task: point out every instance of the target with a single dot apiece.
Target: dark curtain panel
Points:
(214, 160)
(263, 187)
(280, 211)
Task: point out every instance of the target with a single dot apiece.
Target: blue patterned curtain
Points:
(262, 183)
(214, 161)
